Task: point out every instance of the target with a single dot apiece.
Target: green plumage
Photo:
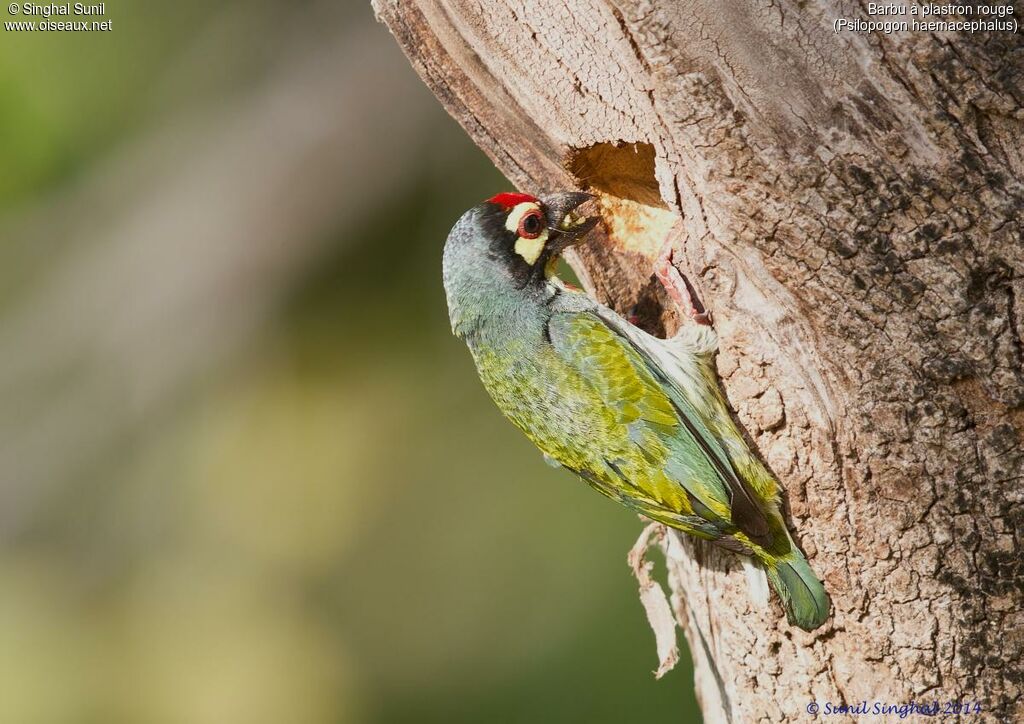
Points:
(642, 420)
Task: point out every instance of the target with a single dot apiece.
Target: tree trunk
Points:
(850, 207)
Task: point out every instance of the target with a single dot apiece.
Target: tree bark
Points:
(850, 206)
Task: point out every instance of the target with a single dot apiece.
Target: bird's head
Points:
(516, 236)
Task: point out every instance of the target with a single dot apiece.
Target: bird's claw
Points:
(679, 287)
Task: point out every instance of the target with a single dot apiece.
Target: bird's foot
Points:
(679, 287)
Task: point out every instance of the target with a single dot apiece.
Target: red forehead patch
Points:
(509, 200)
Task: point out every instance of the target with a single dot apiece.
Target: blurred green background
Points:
(247, 474)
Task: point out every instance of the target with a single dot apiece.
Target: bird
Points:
(643, 420)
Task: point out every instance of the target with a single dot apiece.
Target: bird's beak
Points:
(567, 226)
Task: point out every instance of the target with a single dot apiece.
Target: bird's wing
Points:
(660, 418)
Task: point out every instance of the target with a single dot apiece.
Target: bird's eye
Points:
(530, 225)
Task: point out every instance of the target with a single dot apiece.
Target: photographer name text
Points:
(900, 711)
(51, 17)
(54, 9)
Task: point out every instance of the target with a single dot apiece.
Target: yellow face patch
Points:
(529, 249)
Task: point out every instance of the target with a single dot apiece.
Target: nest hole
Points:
(637, 222)
(622, 176)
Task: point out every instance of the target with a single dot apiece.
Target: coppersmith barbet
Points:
(641, 419)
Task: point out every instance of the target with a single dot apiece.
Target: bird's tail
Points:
(802, 594)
